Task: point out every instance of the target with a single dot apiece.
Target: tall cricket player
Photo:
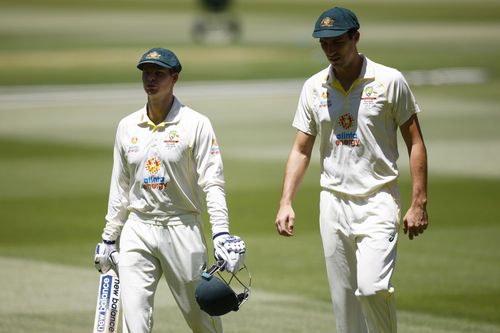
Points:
(355, 108)
(166, 157)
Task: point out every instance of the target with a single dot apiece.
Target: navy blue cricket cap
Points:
(161, 57)
(335, 22)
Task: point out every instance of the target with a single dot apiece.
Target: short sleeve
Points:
(304, 119)
(404, 104)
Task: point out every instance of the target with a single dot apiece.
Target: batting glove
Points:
(106, 256)
(231, 249)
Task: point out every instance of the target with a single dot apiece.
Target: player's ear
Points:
(356, 36)
(175, 75)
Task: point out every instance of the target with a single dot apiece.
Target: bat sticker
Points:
(108, 304)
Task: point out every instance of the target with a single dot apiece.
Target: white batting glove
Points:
(106, 256)
(231, 249)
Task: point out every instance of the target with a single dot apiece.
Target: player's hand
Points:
(415, 221)
(285, 220)
(106, 257)
(231, 249)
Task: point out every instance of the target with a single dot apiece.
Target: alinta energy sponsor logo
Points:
(153, 166)
(349, 137)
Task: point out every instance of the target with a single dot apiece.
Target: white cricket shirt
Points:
(160, 172)
(357, 128)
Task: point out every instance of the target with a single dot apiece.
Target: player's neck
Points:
(346, 75)
(159, 108)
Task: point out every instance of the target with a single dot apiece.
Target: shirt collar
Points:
(173, 116)
(367, 72)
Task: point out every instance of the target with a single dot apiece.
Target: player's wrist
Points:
(286, 201)
(420, 202)
(222, 233)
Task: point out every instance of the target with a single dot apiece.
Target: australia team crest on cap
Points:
(327, 22)
(153, 55)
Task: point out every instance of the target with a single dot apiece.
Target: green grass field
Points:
(67, 76)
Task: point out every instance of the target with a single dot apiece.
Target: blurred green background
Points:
(67, 76)
(94, 41)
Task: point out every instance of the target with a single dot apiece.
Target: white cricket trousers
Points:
(359, 241)
(151, 249)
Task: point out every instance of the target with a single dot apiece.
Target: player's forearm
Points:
(217, 208)
(294, 173)
(418, 169)
(118, 201)
(115, 218)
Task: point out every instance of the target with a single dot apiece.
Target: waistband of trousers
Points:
(164, 220)
(390, 187)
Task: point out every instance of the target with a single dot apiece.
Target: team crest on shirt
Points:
(368, 96)
(172, 139)
(153, 166)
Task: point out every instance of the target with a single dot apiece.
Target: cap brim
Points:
(159, 63)
(328, 33)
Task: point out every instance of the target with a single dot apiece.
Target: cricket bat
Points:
(107, 310)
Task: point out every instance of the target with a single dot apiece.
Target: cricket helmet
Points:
(218, 295)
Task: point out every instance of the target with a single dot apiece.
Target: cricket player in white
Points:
(355, 107)
(166, 157)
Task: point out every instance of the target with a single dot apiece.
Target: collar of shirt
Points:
(367, 73)
(173, 117)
